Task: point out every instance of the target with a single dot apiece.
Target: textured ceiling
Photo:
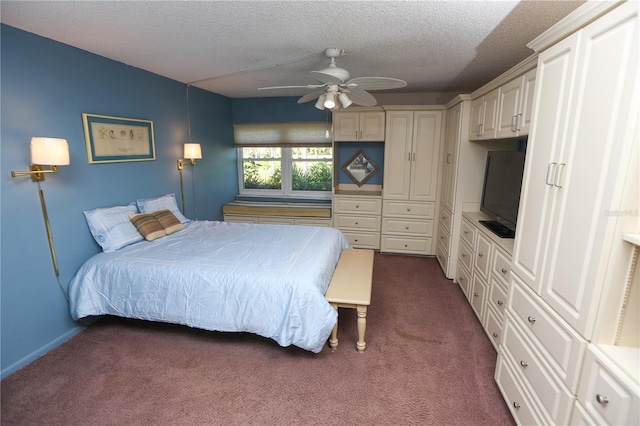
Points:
(234, 47)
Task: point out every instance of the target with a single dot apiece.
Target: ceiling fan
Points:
(337, 90)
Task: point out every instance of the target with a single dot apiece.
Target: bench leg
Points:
(333, 340)
(362, 325)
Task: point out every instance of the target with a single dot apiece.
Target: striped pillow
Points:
(169, 222)
(147, 226)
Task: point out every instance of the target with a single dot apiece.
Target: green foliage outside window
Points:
(257, 175)
(317, 178)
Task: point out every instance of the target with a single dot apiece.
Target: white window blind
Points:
(281, 134)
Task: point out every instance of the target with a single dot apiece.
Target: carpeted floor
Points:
(428, 362)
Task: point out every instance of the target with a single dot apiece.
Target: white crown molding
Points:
(516, 71)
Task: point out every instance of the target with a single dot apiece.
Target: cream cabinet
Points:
(412, 149)
(579, 154)
(358, 217)
(484, 111)
(354, 126)
(579, 196)
(278, 220)
(483, 273)
(515, 104)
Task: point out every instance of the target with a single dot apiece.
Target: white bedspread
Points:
(264, 279)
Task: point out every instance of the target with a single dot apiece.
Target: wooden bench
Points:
(350, 287)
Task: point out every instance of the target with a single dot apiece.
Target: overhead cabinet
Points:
(504, 112)
(368, 126)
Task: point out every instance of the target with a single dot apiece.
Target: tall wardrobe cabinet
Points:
(556, 365)
(412, 153)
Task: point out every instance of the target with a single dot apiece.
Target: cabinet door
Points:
(489, 114)
(372, 126)
(508, 108)
(476, 119)
(523, 122)
(346, 126)
(450, 156)
(427, 126)
(555, 73)
(603, 119)
(397, 155)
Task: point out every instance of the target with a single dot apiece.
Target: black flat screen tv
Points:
(501, 191)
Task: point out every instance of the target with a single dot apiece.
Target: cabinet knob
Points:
(357, 206)
(356, 240)
(500, 302)
(408, 209)
(465, 232)
(461, 279)
(504, 271)
(495, 334)
(516, 404)
(356, 223)
(406, 227)
(475, 294)
(531, 319)
(405, 246)
(480, 255)
(602, 399)
(464, 255)
(524, 364)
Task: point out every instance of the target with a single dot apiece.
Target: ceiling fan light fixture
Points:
(320, 102)
(344, 100)
(330, 100)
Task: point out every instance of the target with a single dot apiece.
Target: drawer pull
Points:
(524, 364)
(356, 240)
(516, 404)
(531, 319)
(464, 255)
(504, 271)
(500, 302)
(480, 255)
(357, 206)
(465, 232)
(405, 246)
(356, 223)
(408, 209)
(475, 294)
(461, 279)
(495, 334)
(406, 227)
(602, 399)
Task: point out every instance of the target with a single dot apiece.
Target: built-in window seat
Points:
(271, 212)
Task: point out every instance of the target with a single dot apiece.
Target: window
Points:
(296, 172)
(284, 160)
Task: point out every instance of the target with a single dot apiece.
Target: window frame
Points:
(286, 191)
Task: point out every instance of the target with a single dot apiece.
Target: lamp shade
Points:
(344, 100)
(320, 102)
(330, 100)
(192, 151)
(49, 151)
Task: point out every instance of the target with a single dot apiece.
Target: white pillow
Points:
(112, 228)
(168, 202)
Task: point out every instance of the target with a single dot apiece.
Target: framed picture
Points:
(117, 139)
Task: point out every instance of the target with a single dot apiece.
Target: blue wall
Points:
(45, 87)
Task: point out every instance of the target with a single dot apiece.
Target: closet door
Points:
(556, 69)
(398, 155)
(426, 154)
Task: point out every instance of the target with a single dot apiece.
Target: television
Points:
(501, 191)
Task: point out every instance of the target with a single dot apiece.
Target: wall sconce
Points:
(50, 152)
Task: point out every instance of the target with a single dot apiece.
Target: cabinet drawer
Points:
(468, 233)
(554, 397)
(276, 220)
(444, 237)
(521, 408)
(363, 240)
(418, 228)
(502, 265)
(357, 205)
(443, 257)
(409, 209)
(465, 256)
(493, 327)
(478, 296)
(482, 255)
(445, 218)
(560, 345)
(608, 395)
(464, 280)
(360, 223)
(498, 297)
(240, 219)
(314, 222)
(405, 244)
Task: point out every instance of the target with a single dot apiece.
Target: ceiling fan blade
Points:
(310, 96)
(327, 78)
(308, 86)
(376, 83)
(361, 97)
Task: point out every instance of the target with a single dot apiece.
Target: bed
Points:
(231, 277)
